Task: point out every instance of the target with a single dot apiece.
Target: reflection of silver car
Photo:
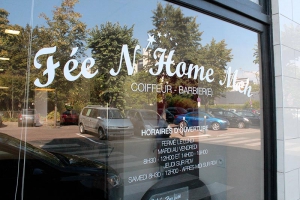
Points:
(104, 121)
(148, 123)
(28, 117)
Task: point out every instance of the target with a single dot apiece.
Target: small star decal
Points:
(150, 40)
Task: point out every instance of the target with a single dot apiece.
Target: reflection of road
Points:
(249, 138)
(128, 155)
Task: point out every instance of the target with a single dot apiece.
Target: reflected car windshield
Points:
(115, 114)
(149, 115)
(182, 110)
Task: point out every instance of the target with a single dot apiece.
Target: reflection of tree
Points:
(15, 48)
(106, 43)
(214, 55)
(65, 31)
(174, 31)
(139, 99)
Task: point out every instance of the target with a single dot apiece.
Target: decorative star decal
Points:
(151, 38)
(150, 41)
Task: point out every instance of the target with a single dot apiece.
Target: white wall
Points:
(286, 35)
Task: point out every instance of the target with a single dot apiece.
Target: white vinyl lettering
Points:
(50, 66)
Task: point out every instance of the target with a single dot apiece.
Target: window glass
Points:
(140, 58)
(88, 112)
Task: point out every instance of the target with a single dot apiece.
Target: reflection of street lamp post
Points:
(163, 96)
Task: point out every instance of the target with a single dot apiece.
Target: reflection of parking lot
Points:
(121, 154)
(247, 138)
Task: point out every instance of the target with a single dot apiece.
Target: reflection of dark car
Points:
(148, 122)
(69, 117)
(197, 119)
(234, 119)
(192, 109)
(28, 117)
(53, 175)
(177, 110)
(255, 119)
(257, 112)
(169, 116)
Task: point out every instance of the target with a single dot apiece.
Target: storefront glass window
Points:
(128, 100)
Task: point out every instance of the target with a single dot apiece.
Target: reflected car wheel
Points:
(215, 126)
(101, 133)
(81, 129)
(241, 125)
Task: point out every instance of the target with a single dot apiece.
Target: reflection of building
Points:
(234, 97)
(243, 81)
(143, 62)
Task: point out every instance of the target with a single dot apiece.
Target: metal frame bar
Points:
(256, 18)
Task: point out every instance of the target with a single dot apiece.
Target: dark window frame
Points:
(257, 18)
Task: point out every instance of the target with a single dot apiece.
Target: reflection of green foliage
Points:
(106, 42)
(255, 87)
(65, 31)
(256, 55)
(227, 106)
(13, 47)
(68, 107)
(180, 101)
(215, 55)
(140, 99)
(51, 115)
(186, 38)
(255, 104)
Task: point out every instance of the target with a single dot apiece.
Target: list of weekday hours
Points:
(175, 156)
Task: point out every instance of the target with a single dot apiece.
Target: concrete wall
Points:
(286, 44)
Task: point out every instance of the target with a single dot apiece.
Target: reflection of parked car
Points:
(28, 117)
(54, 175)
(105, 121)
(255, 119)
(177, 110)
(198, 119)
(257, 112)
(234, 119)
(192, 109)
(169, 116)
(148, 121)
(69, 117)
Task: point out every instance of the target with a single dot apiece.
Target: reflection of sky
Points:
(139, 12)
